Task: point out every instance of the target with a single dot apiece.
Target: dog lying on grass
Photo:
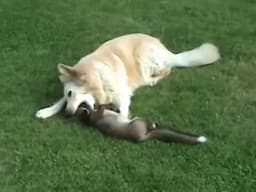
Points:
(115, 70)
(107, 120)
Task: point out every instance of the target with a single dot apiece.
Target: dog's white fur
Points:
(120, 66)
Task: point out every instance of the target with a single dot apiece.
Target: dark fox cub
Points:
(107, 119)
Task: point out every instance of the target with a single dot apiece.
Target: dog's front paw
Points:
(43, 113)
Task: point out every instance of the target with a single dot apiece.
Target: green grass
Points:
(218, 101)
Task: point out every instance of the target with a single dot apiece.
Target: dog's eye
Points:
(69, 93)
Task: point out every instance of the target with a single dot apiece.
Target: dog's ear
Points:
(66, 72)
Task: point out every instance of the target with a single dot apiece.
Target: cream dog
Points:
(117, 68)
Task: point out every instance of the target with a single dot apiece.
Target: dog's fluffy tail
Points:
(207, 53)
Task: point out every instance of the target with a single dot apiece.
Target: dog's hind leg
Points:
(157, 76)
(52, 110)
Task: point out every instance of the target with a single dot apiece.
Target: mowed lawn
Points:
(218, 101)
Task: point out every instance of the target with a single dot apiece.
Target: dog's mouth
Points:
(83, 109)
(84, 105)
(109, 106)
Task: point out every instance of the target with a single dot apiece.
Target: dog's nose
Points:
(85, 105)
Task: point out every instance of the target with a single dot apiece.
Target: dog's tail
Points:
(171, 135)
(207, 53)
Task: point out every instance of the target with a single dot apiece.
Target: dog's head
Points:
(80, 87)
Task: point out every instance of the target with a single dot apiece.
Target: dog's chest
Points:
(115, 82)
